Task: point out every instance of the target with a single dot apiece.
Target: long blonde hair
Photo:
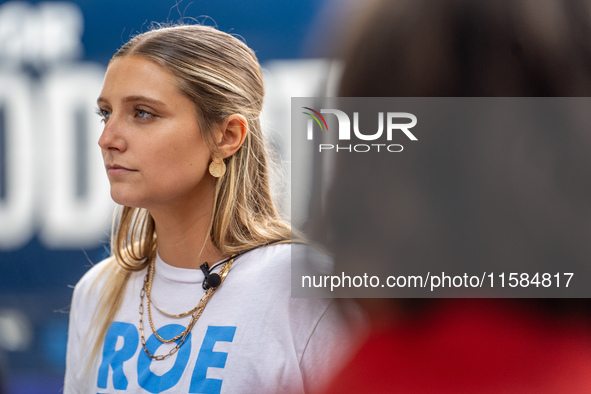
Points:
(223, 77)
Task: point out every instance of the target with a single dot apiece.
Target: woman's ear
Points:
(232, 134)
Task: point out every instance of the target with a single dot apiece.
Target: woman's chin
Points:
(126, 199)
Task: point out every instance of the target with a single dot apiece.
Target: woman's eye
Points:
(104, 114)
(142, 114)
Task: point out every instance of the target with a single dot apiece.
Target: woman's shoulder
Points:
(288, 250)
(283, 256)
(95, 277)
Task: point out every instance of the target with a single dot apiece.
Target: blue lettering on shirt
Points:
(208, 358)
(115, 358)
(154, 383)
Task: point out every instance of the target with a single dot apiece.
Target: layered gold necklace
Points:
(195, 312)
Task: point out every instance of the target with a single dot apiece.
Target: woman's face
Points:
(152, 147)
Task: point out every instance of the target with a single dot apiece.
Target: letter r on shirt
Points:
(115, 358)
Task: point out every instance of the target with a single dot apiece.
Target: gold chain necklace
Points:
(151, 302)
(195, 312)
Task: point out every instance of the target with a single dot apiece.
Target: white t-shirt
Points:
(251, 338)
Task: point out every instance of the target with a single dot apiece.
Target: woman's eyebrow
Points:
(101, 100)
(134, 99)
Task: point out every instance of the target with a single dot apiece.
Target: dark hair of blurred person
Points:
(465, 48)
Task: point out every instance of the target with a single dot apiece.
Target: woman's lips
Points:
(117, 170)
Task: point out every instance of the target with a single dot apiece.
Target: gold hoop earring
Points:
(217, 168)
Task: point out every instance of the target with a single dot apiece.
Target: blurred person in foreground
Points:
(467, 48)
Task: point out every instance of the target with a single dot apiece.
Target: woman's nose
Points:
(112, 137)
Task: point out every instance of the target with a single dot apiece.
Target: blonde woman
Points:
(195, 297)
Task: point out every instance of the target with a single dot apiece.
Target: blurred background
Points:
(55, 209)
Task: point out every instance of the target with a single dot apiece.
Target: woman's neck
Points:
(183, 237)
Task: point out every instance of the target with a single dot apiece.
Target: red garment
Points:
(474, 346)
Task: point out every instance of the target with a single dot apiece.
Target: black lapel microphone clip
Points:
(211, 280)
(214, 280)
